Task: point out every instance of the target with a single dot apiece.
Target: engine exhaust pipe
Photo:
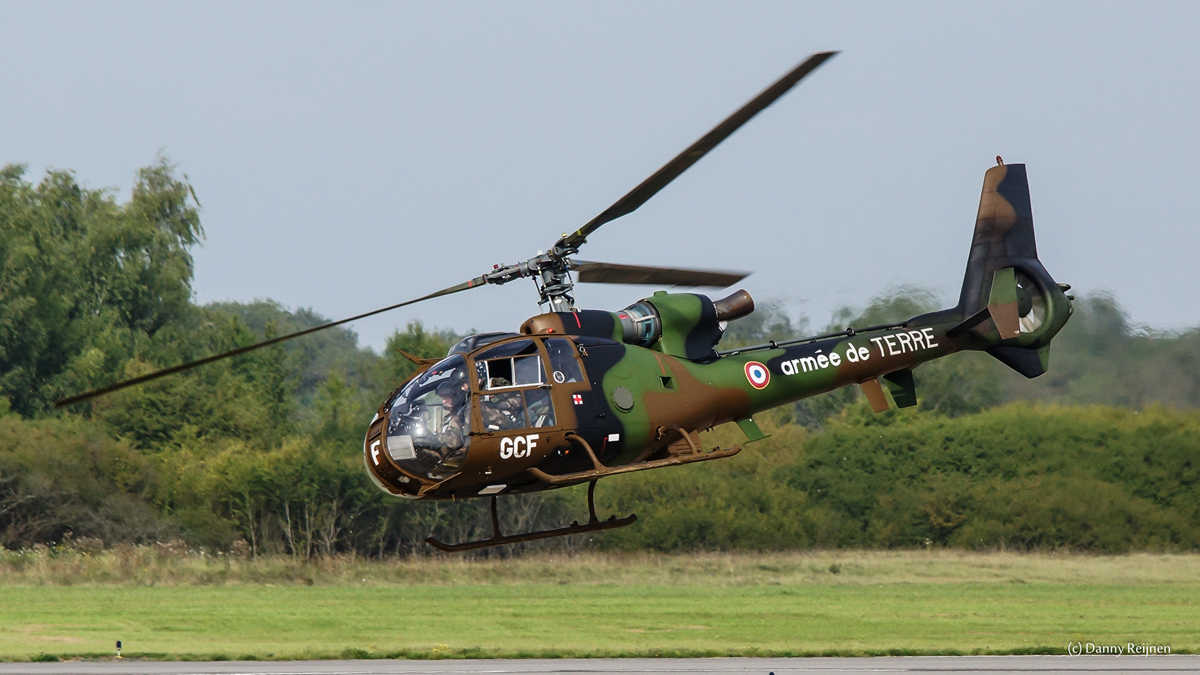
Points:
(734, 307)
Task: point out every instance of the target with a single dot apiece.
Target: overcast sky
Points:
(352, 155)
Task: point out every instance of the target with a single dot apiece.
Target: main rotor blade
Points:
(611, 273)
(671, 170)
(474, 283)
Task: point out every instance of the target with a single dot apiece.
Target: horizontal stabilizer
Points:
(970, 322)
(1002, 308)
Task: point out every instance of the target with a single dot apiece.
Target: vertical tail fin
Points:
(1009, 302)
(1003, 235)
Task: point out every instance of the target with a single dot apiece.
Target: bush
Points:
(67, 476)
(1097, 479)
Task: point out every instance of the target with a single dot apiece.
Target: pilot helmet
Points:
(452, 389)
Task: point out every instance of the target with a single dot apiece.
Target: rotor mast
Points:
(551, 273)
(555, 287)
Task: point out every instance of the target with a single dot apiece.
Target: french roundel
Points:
(757, 374)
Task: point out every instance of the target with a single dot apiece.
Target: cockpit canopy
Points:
(429, 421)
(473, 342)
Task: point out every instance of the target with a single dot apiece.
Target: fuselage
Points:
(523, 395)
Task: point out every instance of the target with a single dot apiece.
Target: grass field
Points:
(169, 606)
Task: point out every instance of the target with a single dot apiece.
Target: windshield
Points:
(429, 423)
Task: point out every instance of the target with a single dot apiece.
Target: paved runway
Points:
(975, 665)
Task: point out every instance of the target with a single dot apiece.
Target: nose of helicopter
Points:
(406, 452)
(381, 463)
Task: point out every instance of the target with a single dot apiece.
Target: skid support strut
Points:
(498, 538)
(600, 471)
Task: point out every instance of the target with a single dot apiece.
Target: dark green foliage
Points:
(1095, 479)
(247, 397)
(419, 342)
(960, 385)
(85, 282)
(67, 476)
(1101, 358)
(708, 507)
(313, 358)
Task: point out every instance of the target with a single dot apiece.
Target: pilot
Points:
(454, 399)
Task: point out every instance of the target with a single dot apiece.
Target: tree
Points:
(85, 283)
(415, 340)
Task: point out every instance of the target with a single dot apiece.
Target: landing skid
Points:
(498, 538)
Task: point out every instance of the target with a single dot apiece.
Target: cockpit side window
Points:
(516, 409)
(564, 366)
(513, 364)
(539, 408)
(512, 382)
(502, 412)
(528, 370)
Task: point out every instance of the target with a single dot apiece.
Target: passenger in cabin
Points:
(501, 412)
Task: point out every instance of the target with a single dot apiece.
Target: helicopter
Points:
(576, 395)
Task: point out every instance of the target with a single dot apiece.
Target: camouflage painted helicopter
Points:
(578, 395)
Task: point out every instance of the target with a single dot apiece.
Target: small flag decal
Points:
(577, 399)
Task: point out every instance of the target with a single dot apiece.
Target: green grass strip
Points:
(572, 620)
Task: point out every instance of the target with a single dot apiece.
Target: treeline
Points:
(1020, 476)
(264, 452)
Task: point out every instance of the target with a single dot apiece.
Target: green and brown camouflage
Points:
(650, 377)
